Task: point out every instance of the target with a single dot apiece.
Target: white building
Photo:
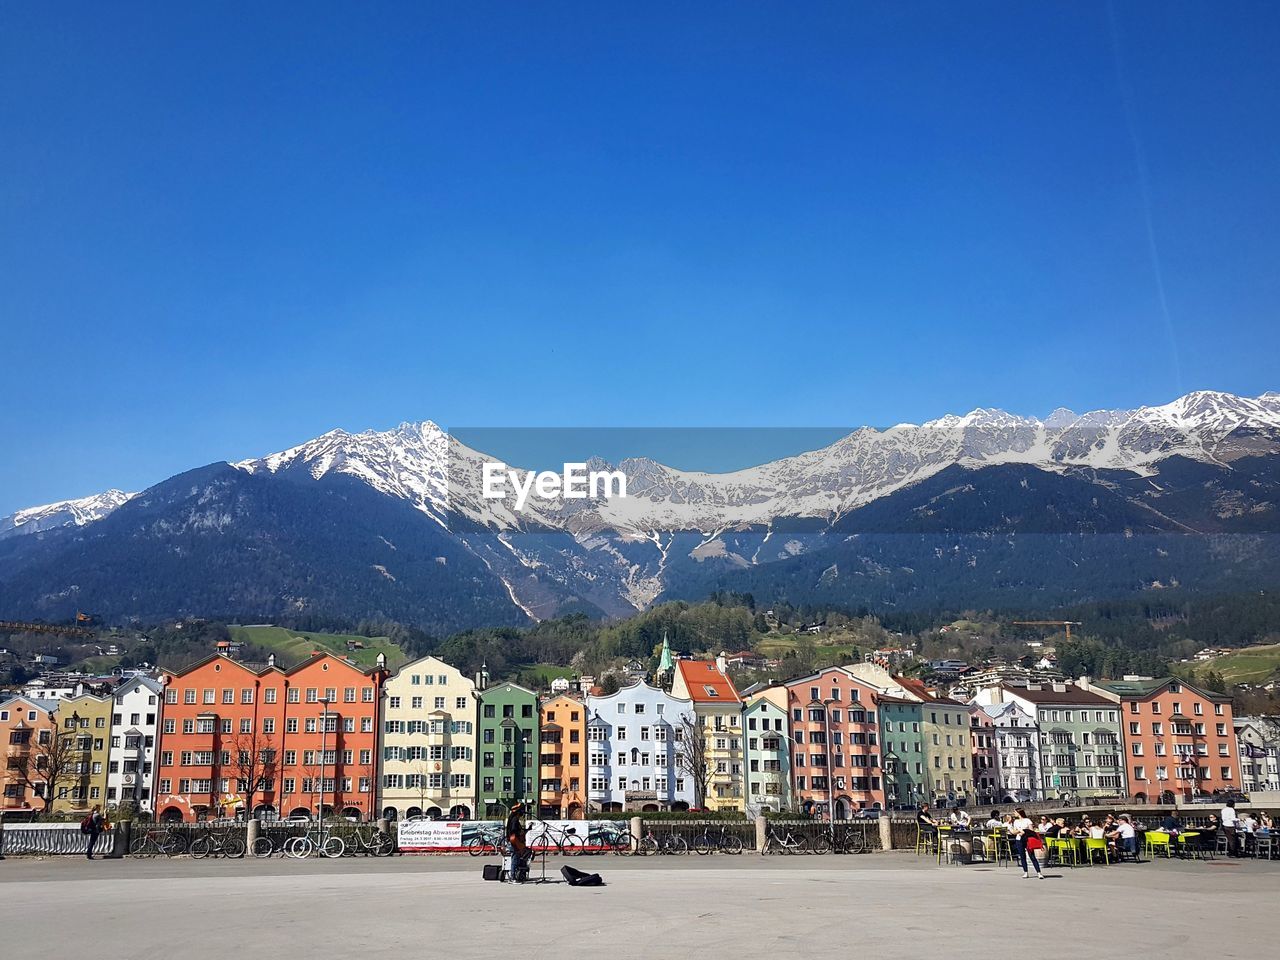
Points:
(634, 743)
(1258, 743)
(135, 725)
(1017, 770)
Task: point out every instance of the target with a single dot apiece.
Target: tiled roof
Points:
(705, 683)
(1072, 695)
(1149, 686)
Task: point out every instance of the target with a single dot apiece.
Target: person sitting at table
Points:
(960, 818)
(1096, 832)
(994, 822)
(1043, 824)
(925, 823)
(1124, 838)
(1171, 824)
(1265, 825)
(1053, 828)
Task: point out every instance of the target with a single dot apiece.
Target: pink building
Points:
(835, 743)
(986, 757)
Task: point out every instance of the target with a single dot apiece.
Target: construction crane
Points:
(18, 626)
(1067, 624)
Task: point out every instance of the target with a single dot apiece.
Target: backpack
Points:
(86, 825)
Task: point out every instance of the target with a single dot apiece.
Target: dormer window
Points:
(711, 691)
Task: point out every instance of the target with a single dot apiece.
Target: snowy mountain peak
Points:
(65, 513)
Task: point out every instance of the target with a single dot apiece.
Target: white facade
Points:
(135, 726)
(1258, 745)
(1017, 745)
(634, 738)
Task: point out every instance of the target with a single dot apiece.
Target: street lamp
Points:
(324, 745)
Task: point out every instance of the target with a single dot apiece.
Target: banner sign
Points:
(445, 836)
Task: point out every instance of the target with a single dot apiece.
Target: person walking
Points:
(1026, 841)
(92, 825)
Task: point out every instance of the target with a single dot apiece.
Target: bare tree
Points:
(253, 765)
(54, 760)
(692, 758)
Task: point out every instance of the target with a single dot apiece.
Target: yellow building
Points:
(85, 721)
(428, 742)
(718, 709)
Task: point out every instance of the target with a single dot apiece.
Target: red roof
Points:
(705, 683)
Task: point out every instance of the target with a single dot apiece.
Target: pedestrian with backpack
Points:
(92, 826)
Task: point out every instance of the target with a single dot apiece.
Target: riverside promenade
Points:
(715, 908)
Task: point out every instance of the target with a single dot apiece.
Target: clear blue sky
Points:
(225, 230)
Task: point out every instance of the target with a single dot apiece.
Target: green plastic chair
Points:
(1092, 846)
(1158, 844)
(1064, 850)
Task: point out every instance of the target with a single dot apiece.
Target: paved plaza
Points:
(889, 905)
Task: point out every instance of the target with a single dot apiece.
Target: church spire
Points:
(665, 663)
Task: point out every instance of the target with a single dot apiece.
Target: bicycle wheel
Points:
(263, 847)
(675, 844)
(702, 844)
(855, 842)
(381, 845)
(138, 844)
(799, 845)
(297, 847)
(732, 843)
(820, 844)
(333, 847)
(647, 846)
(173, 844)
(623, 844)
(233, 847)
(570, 845)
(478, 846)
(200, 848)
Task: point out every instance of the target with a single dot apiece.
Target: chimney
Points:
(721, 664)
(271, 660)
(382, 661)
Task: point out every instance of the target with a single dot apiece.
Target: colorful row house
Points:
(297, 743)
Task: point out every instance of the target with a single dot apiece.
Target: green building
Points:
(904, 760)
(508, 749)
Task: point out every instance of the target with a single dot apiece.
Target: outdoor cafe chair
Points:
(1094, 845)
(1158, 844)
(926, 840)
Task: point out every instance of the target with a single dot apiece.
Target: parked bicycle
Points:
(324, 843)
(608, 839)
(851, 840)
(217, 844)
(156, 841)
(788, 842)
(486, 842)
(723, 841)
(654, 843)
(563, 840)
(371, 842)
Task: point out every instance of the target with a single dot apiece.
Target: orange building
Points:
(270, 742)
(27, 728)
(1179, 739)
(563, 777)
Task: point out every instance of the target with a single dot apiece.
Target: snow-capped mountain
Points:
(394, 523)
(420, 463)
(74, 513)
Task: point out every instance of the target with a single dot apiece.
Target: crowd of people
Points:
(1120, 831)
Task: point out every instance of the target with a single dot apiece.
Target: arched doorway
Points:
(843, 808)
(460, 812)
(171, 815)
(1140, 797)
(435, 813)
(390, 813)
(353, 813)
(612, 807)
(299, 813)
(650, 808)
(413, 813)
(1166, 797)
(574, 812)
(680, 805)
(264, 812)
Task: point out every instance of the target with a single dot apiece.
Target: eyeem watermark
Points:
(575, 482)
